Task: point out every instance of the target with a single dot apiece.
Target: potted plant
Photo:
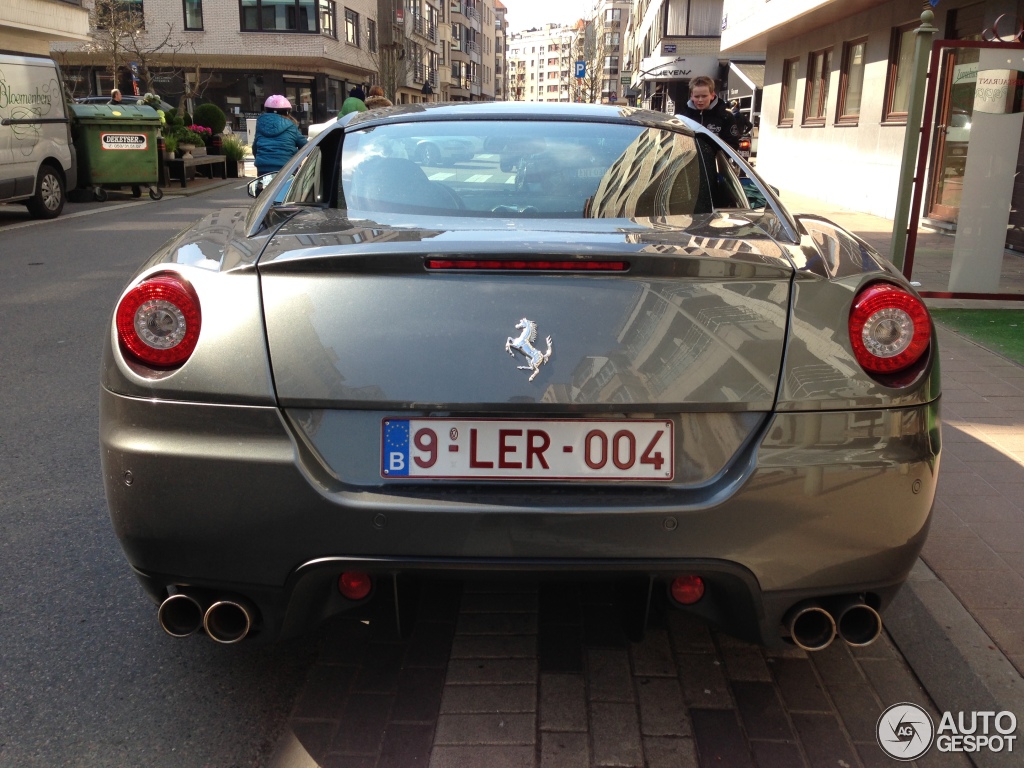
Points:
(234, 152)
(205, 137)
(171, 145)
(188, 141)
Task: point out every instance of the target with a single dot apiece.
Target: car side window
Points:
(723, 181)
(307, 186)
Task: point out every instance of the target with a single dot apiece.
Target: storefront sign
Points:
(123, 141)
(677, 67)
(999, 91)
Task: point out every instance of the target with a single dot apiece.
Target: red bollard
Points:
(161, 153)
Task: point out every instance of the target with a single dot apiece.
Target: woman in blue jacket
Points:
(277, 136)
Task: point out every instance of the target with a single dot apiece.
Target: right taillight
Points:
(158, 321)
(889, 328)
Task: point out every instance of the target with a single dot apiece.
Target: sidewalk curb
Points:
(956, 661)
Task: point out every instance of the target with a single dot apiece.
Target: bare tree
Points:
(389, 55)
(120, 36)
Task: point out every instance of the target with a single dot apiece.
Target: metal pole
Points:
(918, 87)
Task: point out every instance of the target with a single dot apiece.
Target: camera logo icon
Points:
(905, 731)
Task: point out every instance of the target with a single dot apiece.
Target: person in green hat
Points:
(354, 103)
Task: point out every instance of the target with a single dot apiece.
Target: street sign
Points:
(581, 69)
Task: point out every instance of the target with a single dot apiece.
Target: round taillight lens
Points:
(158, 321)
(889, 328)
(687, 589)
(355, 585)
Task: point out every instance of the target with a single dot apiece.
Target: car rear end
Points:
(481, 383)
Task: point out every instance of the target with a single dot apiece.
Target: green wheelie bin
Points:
(117, 146)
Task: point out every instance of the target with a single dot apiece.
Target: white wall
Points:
(856, 167)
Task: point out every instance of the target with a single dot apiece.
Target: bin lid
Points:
(113, 113)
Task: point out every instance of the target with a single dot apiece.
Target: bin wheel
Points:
(100, 193)
(136, 190)
(156, 193)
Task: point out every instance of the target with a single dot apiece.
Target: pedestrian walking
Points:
(707, 109)
(277, 136)
(354, 103)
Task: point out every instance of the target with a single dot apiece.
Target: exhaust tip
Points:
(811, 627)
(859, 625)
(180, 615)
(227, 621)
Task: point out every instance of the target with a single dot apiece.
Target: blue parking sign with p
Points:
(581, 69)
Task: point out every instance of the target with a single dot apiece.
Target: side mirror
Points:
(255, 187)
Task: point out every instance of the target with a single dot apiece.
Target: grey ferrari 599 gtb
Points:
(597, 346)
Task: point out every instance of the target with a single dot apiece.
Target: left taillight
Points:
(890, 328)
(158, 321)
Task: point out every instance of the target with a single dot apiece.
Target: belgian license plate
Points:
(520, 449)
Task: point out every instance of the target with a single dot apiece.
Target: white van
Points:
(37, 159)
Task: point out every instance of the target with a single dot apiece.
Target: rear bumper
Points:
(223, 498)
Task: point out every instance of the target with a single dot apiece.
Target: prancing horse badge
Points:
(524, 345)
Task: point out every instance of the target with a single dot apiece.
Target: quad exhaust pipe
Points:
(813, 625)
(227, 620)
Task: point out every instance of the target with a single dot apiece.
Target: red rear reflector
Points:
(158, 321)
(889, 328)
(687, 589)
(744, 143)
(517, 264)
(354, 585)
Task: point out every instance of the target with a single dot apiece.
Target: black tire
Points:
(48, 200)
(156, 193)
(100, 193)
(428, 154)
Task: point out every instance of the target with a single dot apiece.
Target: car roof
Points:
(515, 110)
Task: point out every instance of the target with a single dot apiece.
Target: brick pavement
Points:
(527, 674)
(523, 674)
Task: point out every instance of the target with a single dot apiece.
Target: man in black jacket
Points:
(707, 109)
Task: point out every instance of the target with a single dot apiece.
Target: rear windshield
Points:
(534, 169)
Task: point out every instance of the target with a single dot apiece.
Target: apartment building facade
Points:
(29, 26)
(500, 51)
(836, 95)
(235, 53)
(670, 42)
(539, 63)
(472, 50)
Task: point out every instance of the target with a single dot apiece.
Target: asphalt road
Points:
(86, 676)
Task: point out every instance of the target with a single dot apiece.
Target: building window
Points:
(851, 82)
(787, 104)
(692, 18)
(120, 14)
(328, 13)
(271, 16)
(901, 70)
(819, 72)
(371, 35)
(193, 14)
(351, 27)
